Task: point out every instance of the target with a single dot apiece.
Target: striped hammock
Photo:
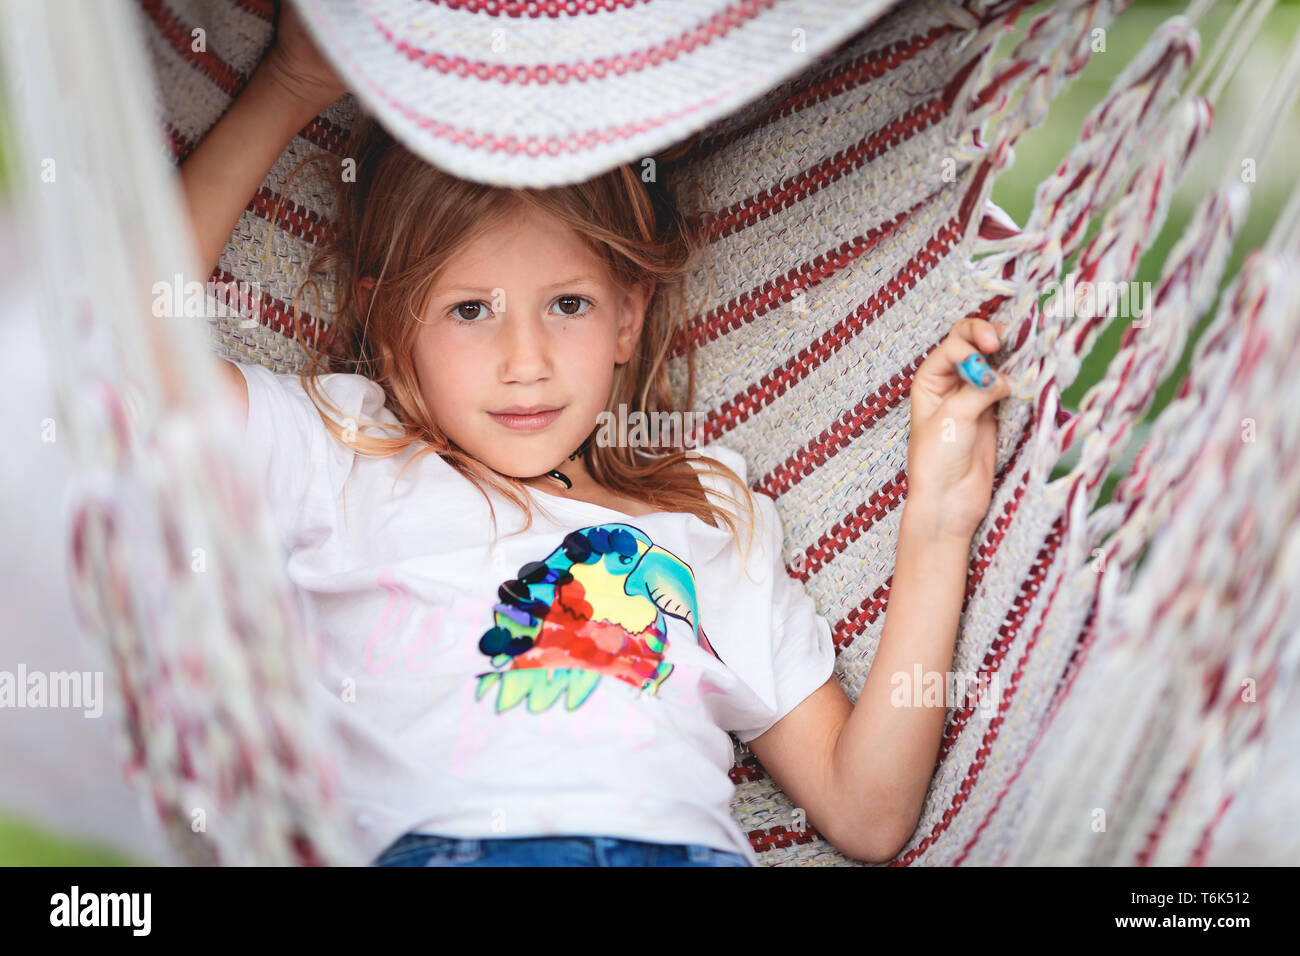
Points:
(1140, 649)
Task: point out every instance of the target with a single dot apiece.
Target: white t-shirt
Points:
(435, 655)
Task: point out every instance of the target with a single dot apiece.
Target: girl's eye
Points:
(564, 301)
(568, 304)
(479, 309)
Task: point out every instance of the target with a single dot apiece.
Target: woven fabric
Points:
(590, 83)
(846, 210)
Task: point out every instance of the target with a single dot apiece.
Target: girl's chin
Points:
(523, 468)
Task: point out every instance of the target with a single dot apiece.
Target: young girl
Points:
(561, 695)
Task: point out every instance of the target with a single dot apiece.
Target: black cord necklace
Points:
(556, 473)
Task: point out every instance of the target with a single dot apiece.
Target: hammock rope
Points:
(1121, 637)
(1200, 258)
(172, 566)
(1177, 640)
(1239, 47)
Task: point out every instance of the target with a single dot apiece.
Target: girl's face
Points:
(525, 315)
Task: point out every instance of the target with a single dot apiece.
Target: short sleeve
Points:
(299, 459)
(283, 433)
(793, 653)
(802, 651)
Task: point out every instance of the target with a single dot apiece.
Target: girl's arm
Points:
(229, 166)
(860, 771)
(224, 172)
(885, 754)
(287, 91)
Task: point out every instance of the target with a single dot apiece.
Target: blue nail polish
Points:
(975, 369)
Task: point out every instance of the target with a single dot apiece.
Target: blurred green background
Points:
(23, 843)
(1037, 155)
(1040, 151)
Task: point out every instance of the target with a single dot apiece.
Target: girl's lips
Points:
(527, 423)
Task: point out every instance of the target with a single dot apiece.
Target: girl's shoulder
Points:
(729, 457)
(359, 397)
(356, 399)
(723, 487)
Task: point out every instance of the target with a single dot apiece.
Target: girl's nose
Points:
(525, 351)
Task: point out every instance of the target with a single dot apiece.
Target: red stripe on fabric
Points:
(534, 9)
(773, 838)
(177, 35)
(1070, 674)
(1157, 831)
(757, 302)
(840, 434)
(764, 839)
(772, 385)
(738, 216)
(1160, 69)
(990, 228)
(533, 145)
(746, 770)
(1007, 634)
(1207, 835)
(294, 218)
(1008, 10)
(865, 68)
(1041, 564)
(326, 134)
(995, 86)
(179, 145)
(974, 193)
(851, 527)
(850, 627)
(277, 315)
(735, 411)
(714, 28)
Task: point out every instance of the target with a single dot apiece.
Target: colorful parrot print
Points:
(595, 606)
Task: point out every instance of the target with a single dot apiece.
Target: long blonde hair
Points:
(403, 219)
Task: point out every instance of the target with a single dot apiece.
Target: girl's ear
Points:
(632, 318)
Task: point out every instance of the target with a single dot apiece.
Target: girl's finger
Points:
(940, 369)
(969, 401)
(981, 333)
(975, 333)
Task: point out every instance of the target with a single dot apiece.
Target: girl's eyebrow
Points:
(546, 288)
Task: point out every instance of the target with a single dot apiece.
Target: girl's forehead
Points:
(525, 256)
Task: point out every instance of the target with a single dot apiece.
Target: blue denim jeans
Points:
(428, 849)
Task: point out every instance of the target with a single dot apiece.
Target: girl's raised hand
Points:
(950, 454)
(298, 64)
